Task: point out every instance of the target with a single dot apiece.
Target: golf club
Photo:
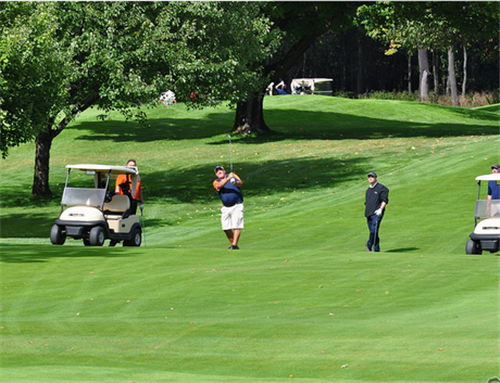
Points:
(143, 228)
(230, 152)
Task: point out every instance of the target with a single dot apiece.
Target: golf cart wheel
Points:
(97, 236)
(472, 247)
(136, 238)
(57, 237)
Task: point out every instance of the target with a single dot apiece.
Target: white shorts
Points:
(232, 217)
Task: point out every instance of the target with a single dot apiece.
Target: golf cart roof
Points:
(105, 168)
(310, 80)
(489, 177)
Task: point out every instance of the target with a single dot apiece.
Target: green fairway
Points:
(302, 300)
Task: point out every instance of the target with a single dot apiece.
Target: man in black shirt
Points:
(377, 197)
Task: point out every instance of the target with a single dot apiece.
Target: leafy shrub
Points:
(344, 94)
(399, 96)
(471, 100)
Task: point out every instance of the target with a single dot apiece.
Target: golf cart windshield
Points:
(486, 208)
(80, 196)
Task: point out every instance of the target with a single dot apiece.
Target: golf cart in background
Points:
(486, 235)
(322, 86)
(95, 214)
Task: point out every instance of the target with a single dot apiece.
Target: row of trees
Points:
(393, 45)
(433, 26)
(374, 66)
(58, 59)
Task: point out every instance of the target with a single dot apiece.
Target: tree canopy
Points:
(60, 58)
(429, 24)
(33, 67)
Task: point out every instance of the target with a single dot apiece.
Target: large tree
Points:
(300, 23)
(58, 59)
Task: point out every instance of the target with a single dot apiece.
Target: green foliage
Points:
(33, 66)
(60, 58)
(429, 25)
(224, 42)
(495, 99)
(401, 96)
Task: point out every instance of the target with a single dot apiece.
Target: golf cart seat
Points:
(118, 207)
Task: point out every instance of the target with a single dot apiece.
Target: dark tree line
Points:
(358, 64)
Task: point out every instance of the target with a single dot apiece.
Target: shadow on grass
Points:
(29, 225)
(270, 177)
(303, 125)
(37, 254)
(194, 185)
(403, 250)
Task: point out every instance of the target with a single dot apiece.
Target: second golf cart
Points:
(486, 235)
(94, 214)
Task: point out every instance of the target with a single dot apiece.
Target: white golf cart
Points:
(486, 235)
(322, 86)
(94, 214)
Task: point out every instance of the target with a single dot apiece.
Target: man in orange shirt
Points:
(124, 186)
(232, 219)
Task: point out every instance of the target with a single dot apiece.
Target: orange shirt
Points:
(123, 178)
(216, 182)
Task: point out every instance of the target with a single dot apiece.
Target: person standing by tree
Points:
(124, 186)
(376, 199)
(232, 219)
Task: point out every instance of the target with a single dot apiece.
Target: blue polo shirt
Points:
(230, 194)
(493, 189)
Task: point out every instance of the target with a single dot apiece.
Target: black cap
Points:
(495, 166)
(372, 174)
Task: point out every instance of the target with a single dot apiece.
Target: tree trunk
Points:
(465, 71)
(435, 72)
(304, 66)
(343, 66)
(424, 85)
(451, 76)
(42, 159)
(423, 64)
(408, 56)
(250, 116)
(359, 77)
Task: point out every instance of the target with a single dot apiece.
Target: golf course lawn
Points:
(302, 300)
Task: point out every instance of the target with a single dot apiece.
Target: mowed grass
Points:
(302, 300)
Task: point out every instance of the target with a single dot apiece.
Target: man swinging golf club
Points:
(376, 199)
(232, 219)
